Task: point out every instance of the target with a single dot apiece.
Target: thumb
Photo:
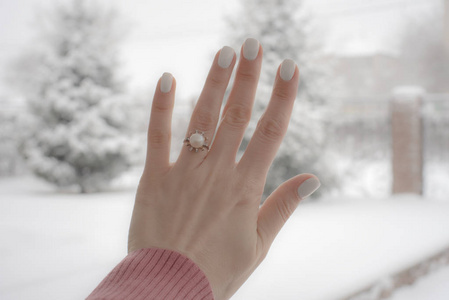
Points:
(280, 205)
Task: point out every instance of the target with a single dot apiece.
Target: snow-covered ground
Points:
(433, 287)
(61, 245)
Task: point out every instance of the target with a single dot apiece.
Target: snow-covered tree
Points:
(11, 163)
(78, 122)
(284, 31)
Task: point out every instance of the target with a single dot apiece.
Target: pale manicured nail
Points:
(287, 69)
(308, 187)
(225, 57)
(250, 49)
(166, 82)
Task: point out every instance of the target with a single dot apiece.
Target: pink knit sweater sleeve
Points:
(154, 273)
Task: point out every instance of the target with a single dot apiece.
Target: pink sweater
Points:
(154, 273)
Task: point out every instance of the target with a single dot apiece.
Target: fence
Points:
(435, 114)
(361, 129)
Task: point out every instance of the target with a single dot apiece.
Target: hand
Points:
(205, 205)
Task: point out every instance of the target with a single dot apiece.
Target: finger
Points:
(159, 129)
(237, 112)
(273, 124)
(207, 110)
(280, 205)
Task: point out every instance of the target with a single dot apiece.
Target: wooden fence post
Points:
(407, 140)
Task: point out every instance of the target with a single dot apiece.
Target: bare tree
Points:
(424, 57)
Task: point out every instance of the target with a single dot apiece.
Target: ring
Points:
(196, 141)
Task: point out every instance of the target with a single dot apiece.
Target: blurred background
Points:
(371, 120)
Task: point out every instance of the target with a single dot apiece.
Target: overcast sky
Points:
(181, 37)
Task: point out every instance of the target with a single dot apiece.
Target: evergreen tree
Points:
(78, 131)
(283, 29)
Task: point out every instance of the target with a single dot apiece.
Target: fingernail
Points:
(225, 57)
(287, 69)
(308, 187)
(166, 82)
(250, 49)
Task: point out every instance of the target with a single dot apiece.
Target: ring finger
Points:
(207, 110)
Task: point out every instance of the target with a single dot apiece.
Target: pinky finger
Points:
(159, 130)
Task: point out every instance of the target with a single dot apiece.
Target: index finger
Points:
(273, 124)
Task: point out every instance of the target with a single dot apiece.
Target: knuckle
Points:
(251, 188)
(270, 130)
(281, 94)
(249, 184)
(237, 116)
(157, 137)
(245, 75)
(215, 81)
(284, 209)
(162, 106)
(203, 120)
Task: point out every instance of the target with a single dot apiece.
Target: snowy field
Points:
(434, 286)
(61, 245)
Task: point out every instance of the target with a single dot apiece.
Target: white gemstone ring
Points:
(196, 141)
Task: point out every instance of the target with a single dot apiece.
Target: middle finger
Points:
(237, 112)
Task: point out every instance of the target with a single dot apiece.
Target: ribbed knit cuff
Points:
(154, 273)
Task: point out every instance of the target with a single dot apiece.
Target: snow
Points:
(331, 249)
(61, 245)
(408, 93)
(434, 286)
